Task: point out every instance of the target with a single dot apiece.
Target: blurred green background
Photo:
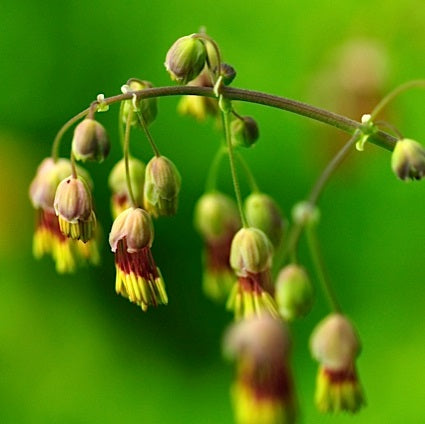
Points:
(71, 351)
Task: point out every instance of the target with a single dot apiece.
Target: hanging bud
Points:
(147, 107)
(251, 257)
(118, 184)
(137, 276)
(408, 160)
(305, 214)
(90, 141)
(262, 212)
(294, 292)
(162, 187)
(186, 59)
(217, 220)
(73, 206)
(264, 391)
(227, 73)
(335, 345)
(244, 132)
(48, 238)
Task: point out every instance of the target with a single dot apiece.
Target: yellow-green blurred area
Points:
(71, 350)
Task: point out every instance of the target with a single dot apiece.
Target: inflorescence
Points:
(244, 241)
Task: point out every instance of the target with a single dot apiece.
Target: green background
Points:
(71, 351)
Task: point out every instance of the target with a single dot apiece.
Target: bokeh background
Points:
(71, 351)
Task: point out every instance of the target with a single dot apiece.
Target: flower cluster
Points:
(245, 240)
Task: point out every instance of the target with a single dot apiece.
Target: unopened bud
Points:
(334, 342)
(73, 205)
(228, 73)
(186, 59)
(162, 187)
(251, 252)
(408, 160)
(90, 141)
(215, 215)
(135, 225)
(147, 107)
(262, 212)
(305, 214)
(244, 132)
(294, 292)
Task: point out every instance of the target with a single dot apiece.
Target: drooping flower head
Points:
(74, 208)
(264, 391)
(162, 187)
(120, 200)
(408, 160)
(48, 237)
(217, 220)
(335, 345)
(138, 277)
(251, 256)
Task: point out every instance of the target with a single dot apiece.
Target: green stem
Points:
(211, 182)
(143, 124)
(126, 158)
(393, 94)
(330, 169)
(250, 176)
(121, 125)
(63, 130)
(316, 257)
(226, 124)
(74, 172)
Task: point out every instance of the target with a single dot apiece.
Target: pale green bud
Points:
(305, 214)
(117, 178)
(147, 107)
(90, 141)
(294, 292)
(216, 214)
(244, 132)
(135, 225)
(334, 342)
(186, 59)
(262, 212)
(408, 160)
(251, 252)
(162, 187)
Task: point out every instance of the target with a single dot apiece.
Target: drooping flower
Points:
(335, 345)
(408, 160)
(117, 181)
(264, 391)
(217, 220)
(251, 256)
(162, 187)
(137, 276)
(73, 206)
(48, 238)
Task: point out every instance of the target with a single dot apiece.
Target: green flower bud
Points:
(135, 225)
(294, 292)
(186, 59)
(408, 160)
(162, 187)
(73, 205)
(251, 252)
(262, 212)
(228, 73)
(148, 107)
(304, 213)
(216, 214)
(244, 132)
(90, 141)
(334, 342)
